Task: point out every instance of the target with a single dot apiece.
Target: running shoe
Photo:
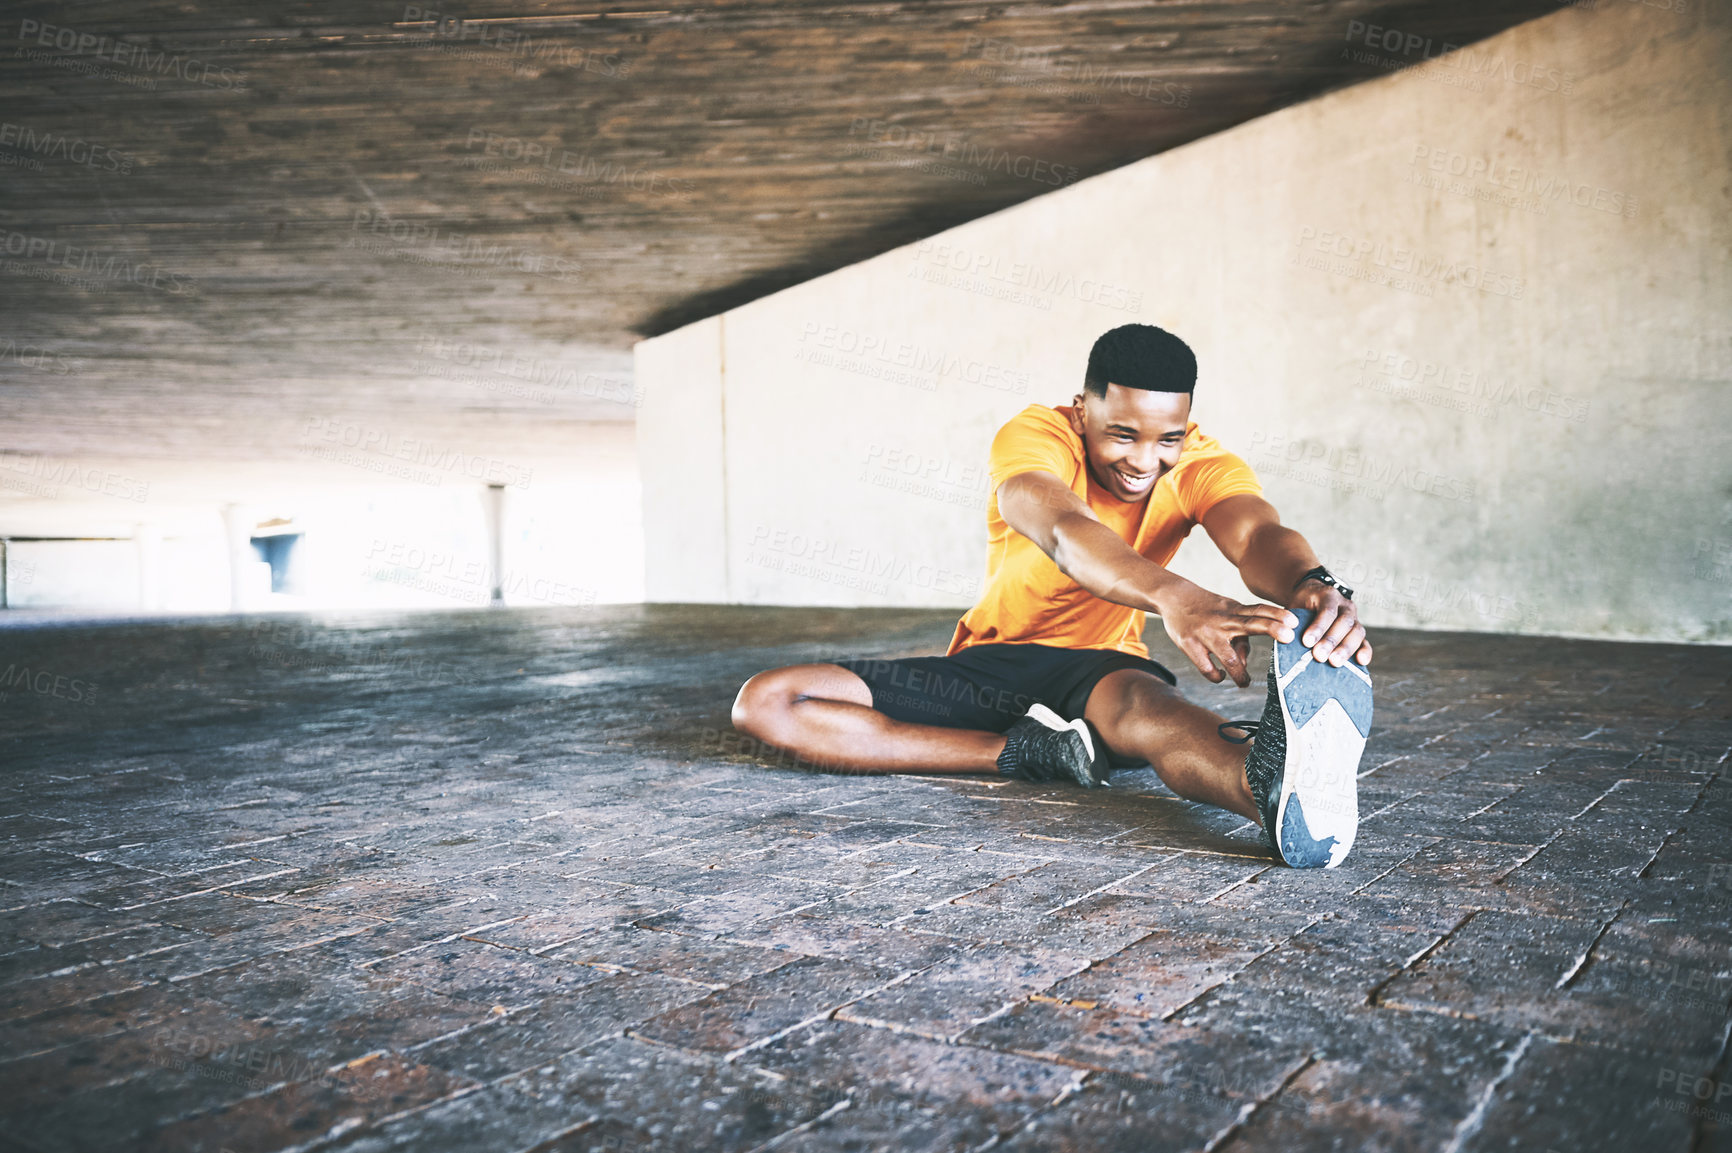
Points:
(1043, 746)
(1303, 767)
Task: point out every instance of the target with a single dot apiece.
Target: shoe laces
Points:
(1249, 728)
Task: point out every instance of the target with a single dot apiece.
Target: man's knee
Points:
(1121, 705)
(758, 700)
(764, 706)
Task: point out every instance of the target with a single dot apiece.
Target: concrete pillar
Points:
(148, 539)
(3, 543)
(238, 529)
(493, 510)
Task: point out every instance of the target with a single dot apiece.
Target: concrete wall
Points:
(681, 450)
(1469, 321)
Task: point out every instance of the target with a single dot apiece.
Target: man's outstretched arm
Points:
(1271, 558)
(1042, 508)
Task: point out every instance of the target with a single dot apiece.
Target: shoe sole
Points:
(1057, 723)
(1327, 712)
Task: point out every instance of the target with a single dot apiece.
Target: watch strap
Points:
(1325, 576)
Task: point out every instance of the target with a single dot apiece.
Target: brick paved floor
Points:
(507, 882)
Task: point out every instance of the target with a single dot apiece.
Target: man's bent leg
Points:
(823, 713)
(1138, 714)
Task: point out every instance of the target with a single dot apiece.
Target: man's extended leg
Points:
(823, 713)
(1140, 715)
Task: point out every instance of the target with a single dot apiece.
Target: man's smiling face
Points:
(1132, 436)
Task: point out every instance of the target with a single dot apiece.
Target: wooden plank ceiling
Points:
(277, 212)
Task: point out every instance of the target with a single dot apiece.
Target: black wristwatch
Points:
(1322, 574)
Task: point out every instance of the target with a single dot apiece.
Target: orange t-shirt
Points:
(1027, 600)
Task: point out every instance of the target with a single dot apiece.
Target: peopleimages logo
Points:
(1538, 188)
(1461, 388)
(49, 473)
(963, 151)
(1470, 63)
(1701, 1094)
(514, 47)
(39, 358)
(337, 434)
(523, 151)
(137, 56)
(925, 365)
(1398, 265)
(1042, 61)
(836, 562)
(1381, 474)
(89, 261)
(488, 362)
(1021, 280)
(45, 683)
(75, 149)
(444, 249)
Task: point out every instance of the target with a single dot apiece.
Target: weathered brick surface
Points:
(653, 1097)
(1169, 967)
(1140, 1051)
(969, 1093)
(715, 964)
(252, 906)
(500, 1044)
(1615, 1100)
(1377, 1079)
(944, 999)
(761, 1007)
(1124, 1116)
(368, 1090)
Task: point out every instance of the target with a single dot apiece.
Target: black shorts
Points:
(989, 686)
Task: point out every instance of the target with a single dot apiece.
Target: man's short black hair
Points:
(1140, 356)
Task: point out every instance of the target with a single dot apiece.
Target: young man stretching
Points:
(1047, 678)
